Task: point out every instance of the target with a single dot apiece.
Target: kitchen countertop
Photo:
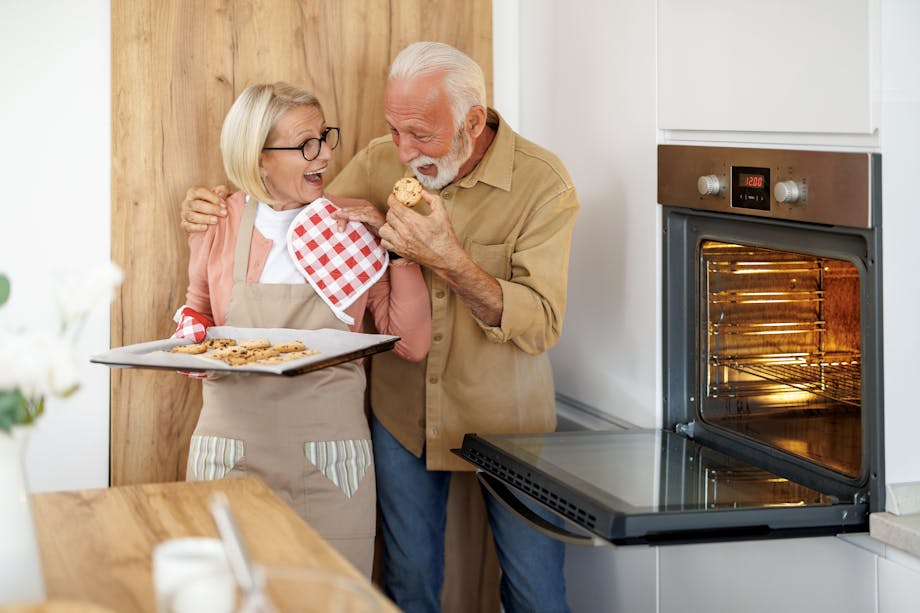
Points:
(901, 531)
(96, 545)
(899, 525)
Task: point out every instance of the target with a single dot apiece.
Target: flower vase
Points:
(21, 578)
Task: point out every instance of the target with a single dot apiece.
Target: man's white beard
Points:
(448, 165)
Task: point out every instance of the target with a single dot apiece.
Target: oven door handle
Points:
(514, 504)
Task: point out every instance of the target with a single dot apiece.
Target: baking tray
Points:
(334, 346)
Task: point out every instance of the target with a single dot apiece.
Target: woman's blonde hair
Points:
(247, 126)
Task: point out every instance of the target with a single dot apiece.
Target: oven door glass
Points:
(648, 486)
(781, 335)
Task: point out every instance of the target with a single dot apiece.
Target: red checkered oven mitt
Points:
(340, 266)
(193, 326)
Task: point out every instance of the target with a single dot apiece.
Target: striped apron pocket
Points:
(212, 457)
(343, 462)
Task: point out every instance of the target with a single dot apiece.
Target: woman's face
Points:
(291, 180)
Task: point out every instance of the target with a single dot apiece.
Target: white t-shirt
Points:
(279, 268)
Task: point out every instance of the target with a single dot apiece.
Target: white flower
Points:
(43, 362)
(37, 363)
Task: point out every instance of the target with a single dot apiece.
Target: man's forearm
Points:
(478, 289)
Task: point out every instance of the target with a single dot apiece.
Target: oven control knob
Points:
(708, 185)
(787, 191)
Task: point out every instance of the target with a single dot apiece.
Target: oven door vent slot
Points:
(559, 503)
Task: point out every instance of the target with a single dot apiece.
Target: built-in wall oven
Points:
(772, 372)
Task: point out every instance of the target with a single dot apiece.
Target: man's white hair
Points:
(463, 78)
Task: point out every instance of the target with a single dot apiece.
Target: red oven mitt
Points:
(339, 265)
(194, 326)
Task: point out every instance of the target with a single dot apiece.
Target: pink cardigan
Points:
(398, 301)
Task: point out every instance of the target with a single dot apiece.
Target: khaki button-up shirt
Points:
(514, 215)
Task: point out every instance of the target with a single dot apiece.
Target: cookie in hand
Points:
(408, 191)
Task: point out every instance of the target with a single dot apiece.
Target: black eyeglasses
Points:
(311, 147)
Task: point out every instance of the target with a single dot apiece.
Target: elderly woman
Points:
(307, 437)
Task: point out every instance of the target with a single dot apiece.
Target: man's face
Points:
(423, 129)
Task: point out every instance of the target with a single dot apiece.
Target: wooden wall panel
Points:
(176, 68)
(170, 91)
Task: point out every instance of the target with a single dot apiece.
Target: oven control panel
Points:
(828, 187)
(750, 188)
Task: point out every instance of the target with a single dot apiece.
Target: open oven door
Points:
(655, 487)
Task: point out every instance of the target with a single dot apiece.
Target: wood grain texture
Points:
(96, 545)
(176, 69)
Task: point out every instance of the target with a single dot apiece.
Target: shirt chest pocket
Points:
(494, 259)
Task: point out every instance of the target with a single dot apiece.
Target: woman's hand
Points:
(361, 211)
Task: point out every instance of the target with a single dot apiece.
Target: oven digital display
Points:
(751, 188)
(748, 180)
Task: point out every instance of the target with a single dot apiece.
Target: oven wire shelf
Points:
(838, 379)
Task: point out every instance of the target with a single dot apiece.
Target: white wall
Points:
(587, 93)
(55, 165)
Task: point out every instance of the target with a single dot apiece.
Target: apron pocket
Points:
(343, 462)
(212, 457)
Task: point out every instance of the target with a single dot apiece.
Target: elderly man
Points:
(493, 236)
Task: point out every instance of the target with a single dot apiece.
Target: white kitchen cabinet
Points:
(777, 66)
(798, 575)
(898, 586)
(612, 580)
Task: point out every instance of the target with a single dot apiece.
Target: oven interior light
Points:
(788, 400)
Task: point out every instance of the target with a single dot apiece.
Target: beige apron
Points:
(307, 436)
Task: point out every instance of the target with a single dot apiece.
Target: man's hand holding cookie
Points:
(427, 239)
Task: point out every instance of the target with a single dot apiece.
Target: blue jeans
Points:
(413, 504)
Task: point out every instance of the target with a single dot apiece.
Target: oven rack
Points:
(730, 297)
(837, 377)
(773, 328)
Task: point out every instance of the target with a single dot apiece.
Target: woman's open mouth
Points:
(315, 177)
